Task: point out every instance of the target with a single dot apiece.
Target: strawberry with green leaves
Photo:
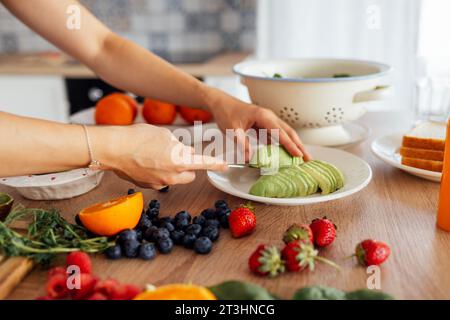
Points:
(242, 221)
(299, 256)
(298, 232)
(266, 261)
(371, 252)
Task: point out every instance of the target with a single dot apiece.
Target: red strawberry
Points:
(299, 256)
(298, 232)
(80, 259)
(107, 287)
(56, 287)
(324, 231)
(266, 261)
(87, 285)
(126, 292)
(97, 296)
(242, 221)
(56, 270)
(44, 298)
(372, 252)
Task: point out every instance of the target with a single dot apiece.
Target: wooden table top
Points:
(397, 208)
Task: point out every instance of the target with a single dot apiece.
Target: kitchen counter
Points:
(61, 65)
(396, 208)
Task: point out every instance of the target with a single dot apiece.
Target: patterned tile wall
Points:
(178, 30)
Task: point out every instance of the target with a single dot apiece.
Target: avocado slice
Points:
(326, 171)
(313, 184)
(339, 176)
(323, 178)
(273, 186)
(300, 187)
(265, 157)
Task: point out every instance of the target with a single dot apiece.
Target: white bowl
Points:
(55, 186)
(310, 99)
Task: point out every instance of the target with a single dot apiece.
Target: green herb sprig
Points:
(48, 235)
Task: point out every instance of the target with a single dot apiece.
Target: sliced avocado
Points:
(298, 184)
(273, 186)
(323, 179)
(303, 185)
(266, 157)
(291, 187)
(313, 184)
(336, 172)
(327, 171)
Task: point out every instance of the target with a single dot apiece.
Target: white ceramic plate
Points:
(386, 148)
(87, 116)
(55, 186)
(237, 181)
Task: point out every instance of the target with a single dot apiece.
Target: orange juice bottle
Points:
(443, 218)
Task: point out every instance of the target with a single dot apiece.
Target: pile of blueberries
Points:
(154, 233)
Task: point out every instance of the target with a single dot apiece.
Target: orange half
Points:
(177, 292)
(113, 216)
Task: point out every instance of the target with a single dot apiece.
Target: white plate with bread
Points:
(419, 152)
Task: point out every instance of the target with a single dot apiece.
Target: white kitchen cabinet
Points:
(41, 97)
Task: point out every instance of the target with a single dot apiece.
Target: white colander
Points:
(315, 96)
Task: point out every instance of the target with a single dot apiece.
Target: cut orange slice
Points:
(113, 216)
(177, 292)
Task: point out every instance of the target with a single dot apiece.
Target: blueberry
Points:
(194, 229)
(209, 213)
(224, 222)
(167, 225)
(131, 248)
(222, 212)
(177, 236)
(144, 222)
(165, 245)
(150, 233)
(78, 221)
(114, 252)
(152, 213)
(221, 204)
(181, 224)
(199, 220)
(147, 251)
(140, 235)
(211, 222)
(154, 204)
(131, 191)
(166, 219)
(183, 215)
(203, 245)
(211, 232)
(164, 190)
(161, 233)
(127, 235)
(188, 240)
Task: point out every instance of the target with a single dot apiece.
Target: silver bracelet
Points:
(94, 164)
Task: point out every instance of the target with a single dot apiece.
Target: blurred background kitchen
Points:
(206, 38)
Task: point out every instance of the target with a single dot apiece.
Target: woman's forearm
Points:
(31, 146)
(139, 71)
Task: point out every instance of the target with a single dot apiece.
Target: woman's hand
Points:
(149, 156)
(231, 113)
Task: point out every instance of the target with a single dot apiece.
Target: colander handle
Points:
(379, 93)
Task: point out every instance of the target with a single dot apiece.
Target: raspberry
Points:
(56, 270)
(56, 287)
(80, 259)
(126, 292)
(97, 296)
(107, 288)
(87, 285)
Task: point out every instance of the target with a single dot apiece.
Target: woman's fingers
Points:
(292, 134)
(243, 143)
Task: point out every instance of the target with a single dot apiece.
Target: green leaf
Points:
(366, 294)
(277, 76)
(238, 290)
(319, 293)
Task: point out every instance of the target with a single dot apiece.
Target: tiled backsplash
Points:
(178, 30)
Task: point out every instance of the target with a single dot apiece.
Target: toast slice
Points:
(430, 165)
(425, 154)
(427, 135)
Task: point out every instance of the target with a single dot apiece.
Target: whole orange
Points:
(192, 114)
(114, 109)
(158, 112)
(131, 101)
(113, 216)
